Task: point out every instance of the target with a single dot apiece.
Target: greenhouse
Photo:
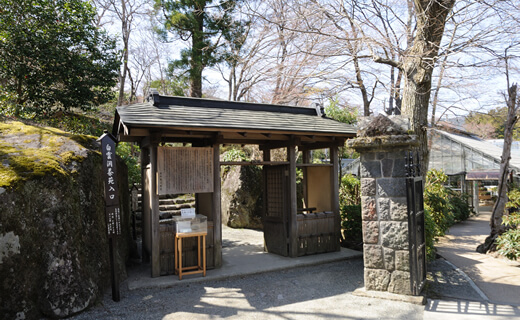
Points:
(472, 164)
(457, 153)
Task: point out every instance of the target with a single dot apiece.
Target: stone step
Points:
(168, 207)
(169, 214)
(176, 196)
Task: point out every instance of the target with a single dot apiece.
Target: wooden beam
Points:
(322, 145)
(266, 155)
(153, 139)
(304, 165)
(252, 163)
(145, 203)
(292, 223)
(334, 159)
(210, 130)
(218, 138)
(293, 141)
(138, 132)
(201, 141)
(156, 239)
(306, 159)
(216, 212)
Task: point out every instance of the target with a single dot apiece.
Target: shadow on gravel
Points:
(460, 309)
(443, 281)
(288, 294)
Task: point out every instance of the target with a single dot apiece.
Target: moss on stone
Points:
(55, 216)
(28, 151)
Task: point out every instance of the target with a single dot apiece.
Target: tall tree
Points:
(506, 56)
(513, 108)
(201, 24)
(286, 56)
(52, 55)
(127, 11)
(418, 63)
(243, 46)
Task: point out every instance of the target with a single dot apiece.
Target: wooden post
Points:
(266, 154)
(306, 158)
(145, 203)
(154, 216)
(335, 194)
(292, 223)
(114, 276)
(112, 209)
(216, 212)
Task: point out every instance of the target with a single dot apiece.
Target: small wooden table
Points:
(201, 265)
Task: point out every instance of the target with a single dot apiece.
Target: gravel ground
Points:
(317, 292)
(445, 282)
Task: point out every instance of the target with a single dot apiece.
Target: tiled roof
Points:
(205, 114)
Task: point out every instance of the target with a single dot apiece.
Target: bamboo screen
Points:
(184, 170)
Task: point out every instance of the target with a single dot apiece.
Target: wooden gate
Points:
(275, 220)
(415, 201)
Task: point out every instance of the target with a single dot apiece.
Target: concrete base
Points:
(237, 261)
(362, 292)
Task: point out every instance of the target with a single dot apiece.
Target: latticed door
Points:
(415, 189)
(276, 209)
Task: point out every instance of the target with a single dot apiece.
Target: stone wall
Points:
(384, 204)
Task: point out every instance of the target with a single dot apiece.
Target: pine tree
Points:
(202, 24)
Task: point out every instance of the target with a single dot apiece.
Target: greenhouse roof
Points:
(482, 147)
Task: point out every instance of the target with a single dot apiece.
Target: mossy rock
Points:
(53, 243)
(242, 202)
(28, 152)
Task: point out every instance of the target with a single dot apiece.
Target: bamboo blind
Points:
(184, 170)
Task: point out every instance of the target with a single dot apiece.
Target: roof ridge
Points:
(165, 101)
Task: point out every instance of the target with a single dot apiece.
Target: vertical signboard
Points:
(108, 149)
(112, 210)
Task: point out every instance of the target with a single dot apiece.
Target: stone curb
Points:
(362, 292)
(473, 285)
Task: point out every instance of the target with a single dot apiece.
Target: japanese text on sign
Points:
(113, 216)
(112, 211)
(109, 170)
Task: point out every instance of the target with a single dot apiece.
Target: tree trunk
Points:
(418, 67)
(126, 36)
(197, 55)
(500, 205)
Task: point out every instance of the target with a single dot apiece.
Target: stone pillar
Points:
(382, 143)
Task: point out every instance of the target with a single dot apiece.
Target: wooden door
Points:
(276, 210)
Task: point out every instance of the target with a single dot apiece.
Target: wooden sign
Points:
(113, 219)
(108, 150)
(184, 170)
(112, 210)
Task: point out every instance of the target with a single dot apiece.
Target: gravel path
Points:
(317, 292)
